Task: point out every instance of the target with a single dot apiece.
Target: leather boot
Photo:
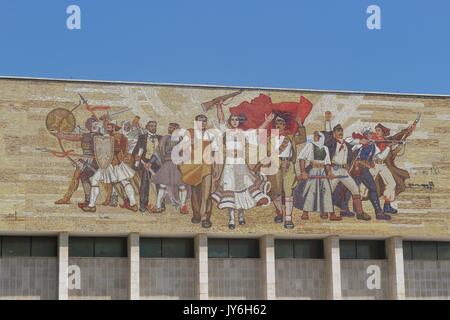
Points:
(357, 206)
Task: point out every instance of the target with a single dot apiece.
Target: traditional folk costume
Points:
(239, 188)
(116, 172)
(314, 194)
(168, 178)
(341, 159)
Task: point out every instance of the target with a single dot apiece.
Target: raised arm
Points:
(267, 121)
(220, 114)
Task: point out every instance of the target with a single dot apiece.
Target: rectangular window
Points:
(81, 247)
(284, 249)
(44, 247)
(167, 248)
(111, 247)
(218, 248)
(347, 249)
(16, 246)
(150, 247)
(443, 250)
(426, 250)
(299, 249)
(244, 248)
(233, 248)
(97, 247)
(362, 249)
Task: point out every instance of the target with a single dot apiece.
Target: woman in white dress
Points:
(239, 188)
(313, 193)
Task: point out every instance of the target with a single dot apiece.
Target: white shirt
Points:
(340, 156)
(287, 152)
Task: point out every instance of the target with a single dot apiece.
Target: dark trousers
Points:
(144, 189)
(366, 179)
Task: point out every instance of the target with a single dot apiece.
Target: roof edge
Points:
(212, 86)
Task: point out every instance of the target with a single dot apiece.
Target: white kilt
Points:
(123, 172)
(107, 175)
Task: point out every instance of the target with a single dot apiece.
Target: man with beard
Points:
(144, 156)
(168, 178)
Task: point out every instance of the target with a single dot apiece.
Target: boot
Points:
(334, 217)
(305, 215)
(380, 215)
(89, 209)
(388, 209)
(184, 209)
(357, 206)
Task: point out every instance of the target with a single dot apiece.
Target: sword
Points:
(112, 114)
(325, 177)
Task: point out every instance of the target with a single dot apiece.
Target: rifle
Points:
(209, 104)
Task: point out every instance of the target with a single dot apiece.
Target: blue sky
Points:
(310, 44)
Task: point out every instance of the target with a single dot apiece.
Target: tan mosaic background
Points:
(31, 181)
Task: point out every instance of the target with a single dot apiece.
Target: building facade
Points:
(94, 205)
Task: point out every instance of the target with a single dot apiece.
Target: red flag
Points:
(256, 110)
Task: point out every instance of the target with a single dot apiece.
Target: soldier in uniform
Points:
(86, 166)
(284, 181)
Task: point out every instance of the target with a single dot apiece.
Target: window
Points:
(362, 249)
(167, 248)
(299, 249)
(97, 247)
(233, 248)
(28, 246)
(426, 250)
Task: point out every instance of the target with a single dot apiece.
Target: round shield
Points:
(60, 120)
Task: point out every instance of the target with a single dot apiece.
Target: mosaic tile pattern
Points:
(427, 279)
(231, 279)
(167, 278)
(101, 278)
(354, 276)
(300, 279)
(28, 278)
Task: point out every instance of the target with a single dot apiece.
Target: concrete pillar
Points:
(133, 264)
(63, 266)
(201, 255)
(394, 253)
(333, 268)
(267, 253)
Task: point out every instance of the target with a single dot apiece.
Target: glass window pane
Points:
(16, 246)
(110, 247)
(284, 249)
(244, 248)
(407, 250)
(150, 247)
(444, 250)
(366, 249)
(424, 250)
(218, 248)
(308, 249)
(44, 246)
(347, 249)
(81, 247)
(177, 248)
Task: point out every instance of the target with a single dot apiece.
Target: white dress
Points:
(239, 187)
